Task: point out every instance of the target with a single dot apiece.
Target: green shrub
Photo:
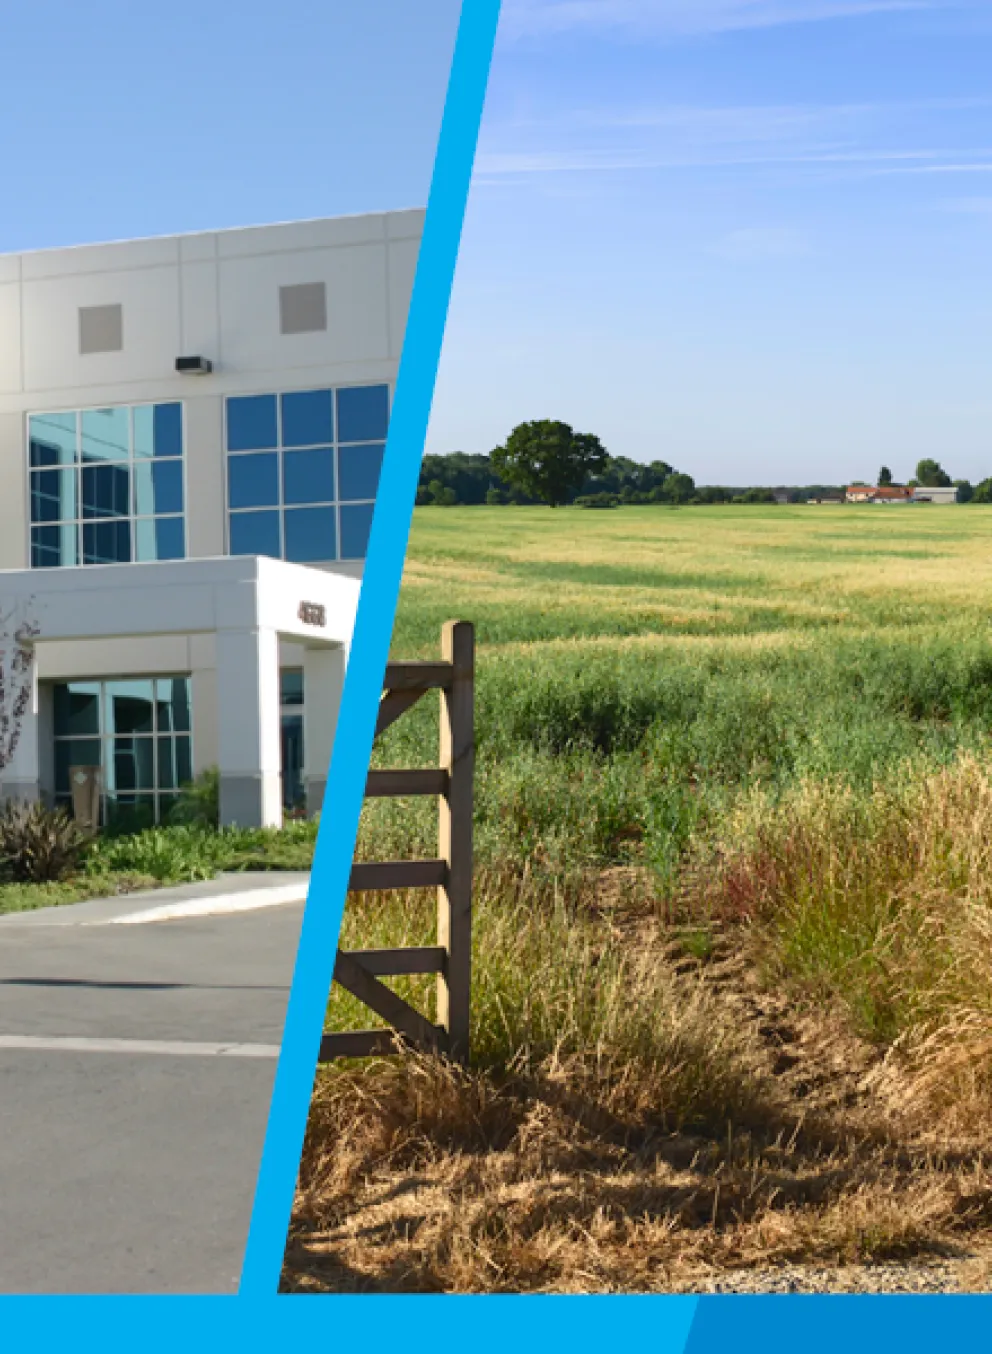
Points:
(168, 854)
(198, 803)
(39, 845)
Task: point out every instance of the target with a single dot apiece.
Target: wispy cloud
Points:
(676, 18)
(856, 138)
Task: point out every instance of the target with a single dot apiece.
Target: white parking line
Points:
(172, 1048)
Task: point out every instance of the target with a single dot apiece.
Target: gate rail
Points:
(450, 873)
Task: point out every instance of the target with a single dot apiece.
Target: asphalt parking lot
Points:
(136, 1067)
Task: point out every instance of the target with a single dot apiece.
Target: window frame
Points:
(134, 518)
(280, 450)
(107, 739)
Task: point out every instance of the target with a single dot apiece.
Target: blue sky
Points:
(125, 119)
(752, 237)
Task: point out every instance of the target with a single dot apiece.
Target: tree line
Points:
(548, 462)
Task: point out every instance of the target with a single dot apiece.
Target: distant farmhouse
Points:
(891, 493)
(941, 495)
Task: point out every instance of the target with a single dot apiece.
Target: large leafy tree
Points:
(679, 488)
(931, 474)
(884, 477)
(549, 460)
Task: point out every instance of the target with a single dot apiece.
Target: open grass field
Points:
(733, 959)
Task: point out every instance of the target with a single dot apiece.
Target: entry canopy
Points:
(247, 605)
(121, 601)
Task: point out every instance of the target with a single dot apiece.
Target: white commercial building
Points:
(191, 435)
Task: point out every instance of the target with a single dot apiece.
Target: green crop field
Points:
(734, 884)
(772, 575)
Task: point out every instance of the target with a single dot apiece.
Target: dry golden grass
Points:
(567, 1177)
(642, 1118)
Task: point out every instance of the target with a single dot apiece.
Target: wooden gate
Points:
(359, 971)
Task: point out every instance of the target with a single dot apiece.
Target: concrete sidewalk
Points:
(136, 1068)
(242, 892)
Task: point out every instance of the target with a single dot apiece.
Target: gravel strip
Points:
(936, 1276)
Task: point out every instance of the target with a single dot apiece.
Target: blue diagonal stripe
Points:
(370, 647)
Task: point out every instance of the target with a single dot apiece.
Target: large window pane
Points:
(253, 481)
(106, 434)
(159, 538)
(53, 495)
(77, 709)
(172, 702)
(158, 430)
(358, 471)
(168, 778)
(292, 761)
(255, 533)
(310, 535)
(308, 476)
(307, 418)
(251, 423)
(158, 487)
(133, 761)
(53, 439)
(106, 491)
(363, 413)
(356, 523)
(106, 542)
(129, 706)
(291, 686)
(184, 760)
(54, 547)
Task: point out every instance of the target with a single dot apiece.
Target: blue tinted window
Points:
(106, 434)
(358, 471)
(310, 535)
(291, 686)
(159, 538)
(54, 547)
(107, 542)
(136, 731)
(307, 418)
(251, 423)
(53, 495)
(77, 709)
(53, 439)
(132, 467)
(174, 763)
(106, 491)
(172, 704)
(253, 481)
(129, 707)
(255, 533)
(158, 487)
(356, 522)
(363, 413)
(308, 476)
(158, 430)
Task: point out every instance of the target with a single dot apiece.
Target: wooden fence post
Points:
(450, 873)
(454, 895)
